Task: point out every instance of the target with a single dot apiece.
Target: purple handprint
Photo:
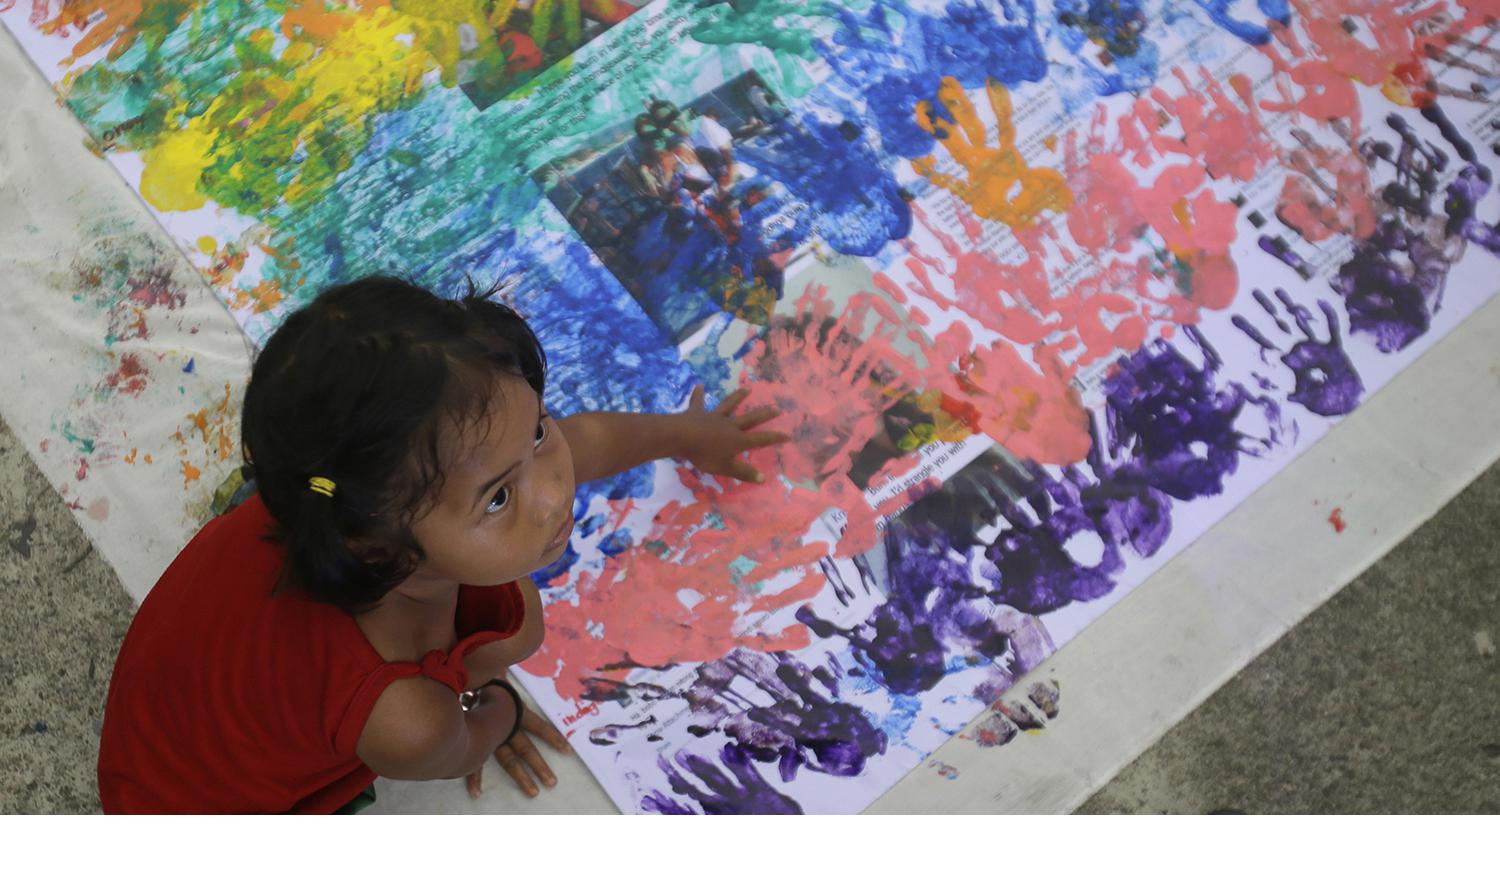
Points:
(1466, 189)
(1030, 567)
(898, 644)
(1392, 285)
(803, 723)
(744, 793)
(806, 725)
(1394, 281)
(1326, 382)
(842, 589)
(605, 736)
(1174, 427)
(934, 610)
(1417, 164)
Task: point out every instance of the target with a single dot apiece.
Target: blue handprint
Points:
(1279, 11)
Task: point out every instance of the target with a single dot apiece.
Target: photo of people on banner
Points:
(697, 209)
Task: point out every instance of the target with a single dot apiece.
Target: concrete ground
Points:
(63, 614)
(1384, 700)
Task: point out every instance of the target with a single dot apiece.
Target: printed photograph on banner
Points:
(676, 210)
(518, 39)
(701, 208)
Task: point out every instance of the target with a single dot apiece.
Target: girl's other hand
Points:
(520, 754)
(714, 440)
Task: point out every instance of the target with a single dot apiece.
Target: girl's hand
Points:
(714, 440)
(520, 754)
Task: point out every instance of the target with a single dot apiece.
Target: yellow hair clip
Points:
(321, 486)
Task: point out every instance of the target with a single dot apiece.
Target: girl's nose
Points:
(556, 499)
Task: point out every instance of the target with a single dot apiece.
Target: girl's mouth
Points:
(563, 531)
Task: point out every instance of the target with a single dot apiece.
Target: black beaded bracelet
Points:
(520, 707)
(469, 698)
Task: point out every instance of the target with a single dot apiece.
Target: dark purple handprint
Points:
(1466, 189)
(1418, 165)
(842, 589)
(1174, 428)
(1326, 382)
(1029, 564)
(744, 793)
(1464, 194)
(604, 736)
(777, 708)
(1392, 285)
(806, 726)
(934, 610)
(899, 646)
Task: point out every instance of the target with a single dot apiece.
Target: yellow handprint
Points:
(1000, 186)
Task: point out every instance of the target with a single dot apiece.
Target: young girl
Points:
(356, 617)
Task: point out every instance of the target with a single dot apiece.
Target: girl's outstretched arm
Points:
(608, 443)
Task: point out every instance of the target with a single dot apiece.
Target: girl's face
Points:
(505, 508)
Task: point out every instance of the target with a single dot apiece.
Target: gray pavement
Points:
(63, 614)
(1384, 700)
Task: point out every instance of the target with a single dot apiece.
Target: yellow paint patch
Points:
(175, 167)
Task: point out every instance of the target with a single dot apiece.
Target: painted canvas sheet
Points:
(1042, 290)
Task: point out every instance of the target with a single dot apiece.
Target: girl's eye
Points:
(541, 432)
(500, 500)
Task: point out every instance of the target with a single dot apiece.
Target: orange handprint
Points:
(1000, 187)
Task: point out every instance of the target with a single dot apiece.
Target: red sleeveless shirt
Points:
(226, 698)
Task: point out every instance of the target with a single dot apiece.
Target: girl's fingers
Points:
(472, 783)
(732, 401)
(533, 759)
(695, 403)
(542, 727)
(511, 762)
(745, 472)
(757, 417)
(765, 439)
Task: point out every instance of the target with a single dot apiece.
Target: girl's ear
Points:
(370, 551)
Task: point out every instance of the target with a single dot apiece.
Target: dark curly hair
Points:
(359, 387)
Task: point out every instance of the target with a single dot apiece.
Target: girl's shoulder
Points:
(230, 577)
(239, 542)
